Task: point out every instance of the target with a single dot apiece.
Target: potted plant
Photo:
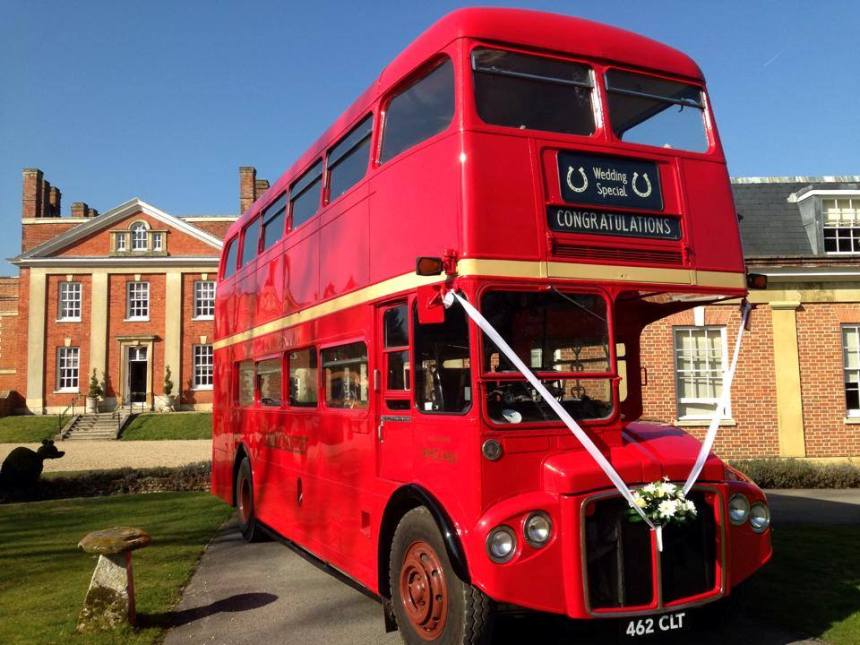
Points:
(94, 393)
(165, 402)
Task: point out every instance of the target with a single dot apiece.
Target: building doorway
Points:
(138, 370)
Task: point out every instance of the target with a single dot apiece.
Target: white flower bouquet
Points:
(663, 503)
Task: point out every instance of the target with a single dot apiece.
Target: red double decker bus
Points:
(564, 177)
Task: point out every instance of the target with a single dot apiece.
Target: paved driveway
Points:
(266, 593)
(101, 455)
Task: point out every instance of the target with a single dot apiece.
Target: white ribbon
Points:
(574, 427)
(725, 397)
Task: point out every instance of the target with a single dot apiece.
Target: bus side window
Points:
(305, 196)
(443, 375)
(347, 160)
(303, 378)
(273, 221)
(245, 384)
(345, 375)
(395, 323)
(230, 257)
(250, 241)
(269, 382)
(423, 109)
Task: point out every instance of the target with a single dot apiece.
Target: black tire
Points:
(245, 503)
(465, 614)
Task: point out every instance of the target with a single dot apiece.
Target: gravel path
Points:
(103, 455)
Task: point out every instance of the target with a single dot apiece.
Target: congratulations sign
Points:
(578, 220)
(609, 181)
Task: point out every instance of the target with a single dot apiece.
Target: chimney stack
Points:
(54, 197)
(82, 209)
(250, 188)
(31, 204)
(247, 187)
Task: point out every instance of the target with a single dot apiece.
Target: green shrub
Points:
(793, 473)
(123, 481)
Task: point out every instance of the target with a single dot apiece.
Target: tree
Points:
(168, 381)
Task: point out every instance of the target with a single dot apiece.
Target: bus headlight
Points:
(501, 544)
(538, 529)
(739, 509)
(759, 517)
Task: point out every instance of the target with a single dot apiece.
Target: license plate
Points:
(651, 625)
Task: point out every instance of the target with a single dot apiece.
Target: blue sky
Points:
(164, 100)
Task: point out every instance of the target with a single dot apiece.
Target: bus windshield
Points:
(551, 331)
(656, 112)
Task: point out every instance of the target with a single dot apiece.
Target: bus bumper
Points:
(598, 564)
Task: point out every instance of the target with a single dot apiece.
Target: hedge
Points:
(124, 481)
(792, 473)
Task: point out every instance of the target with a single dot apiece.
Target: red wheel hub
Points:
(423, 590)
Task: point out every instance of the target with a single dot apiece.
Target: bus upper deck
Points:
(586, 158)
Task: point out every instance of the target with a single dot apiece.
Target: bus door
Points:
(393, 384)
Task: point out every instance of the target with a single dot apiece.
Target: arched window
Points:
(139, 237)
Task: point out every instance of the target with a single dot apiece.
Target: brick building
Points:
(796, 388)
(126, 293)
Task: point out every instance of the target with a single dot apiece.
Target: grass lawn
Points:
(27, 429)
(812, 584)
(44, 576)
(173, 425)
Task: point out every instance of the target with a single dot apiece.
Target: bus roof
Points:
(526, 28)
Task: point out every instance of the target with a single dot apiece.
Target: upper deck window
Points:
(423, 109)
(347, 161)
(230, 257)
(532, 92)
(273, 221)
(250, 240)
(656, 112)
(305, 195)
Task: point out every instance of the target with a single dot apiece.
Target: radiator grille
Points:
(619, 554)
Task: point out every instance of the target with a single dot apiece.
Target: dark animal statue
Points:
(22, 467)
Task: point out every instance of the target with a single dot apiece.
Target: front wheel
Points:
(245, 503)
(430, 602)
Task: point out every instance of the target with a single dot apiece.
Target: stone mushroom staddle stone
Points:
(110, 598)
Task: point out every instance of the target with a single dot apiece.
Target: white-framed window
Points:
(68, 368)
(700, 361)
(69, 301)
(204, 299)
(202, 362)
(158, 241)
(841, 225)
(137, 301)
(851, 368)
(139, 237)
(120, 242)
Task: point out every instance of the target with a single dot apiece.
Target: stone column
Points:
(789, 406)
(36, 342)
(173, 333)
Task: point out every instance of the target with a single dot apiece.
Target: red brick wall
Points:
(119, 326)
(192, 330)
(9, 341)
(754, 392)
(178, 243)
(32, 235)
(819, 338)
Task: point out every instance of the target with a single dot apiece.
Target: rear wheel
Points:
(245, 503)
(430, 602)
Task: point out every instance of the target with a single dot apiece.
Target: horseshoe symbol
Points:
(641, 193)
(578, 189)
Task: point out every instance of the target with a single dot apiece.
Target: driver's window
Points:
(443, 375)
